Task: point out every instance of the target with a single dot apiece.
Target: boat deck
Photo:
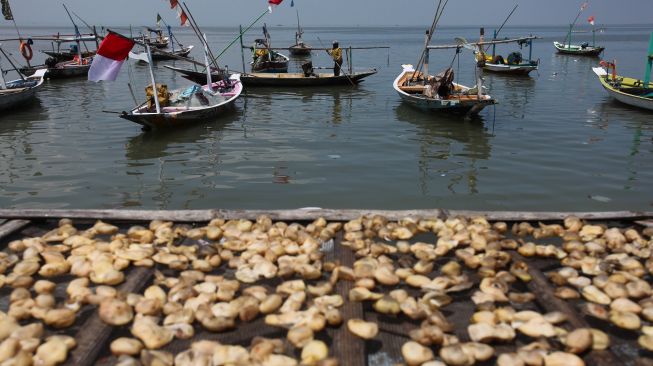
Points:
(94, 336)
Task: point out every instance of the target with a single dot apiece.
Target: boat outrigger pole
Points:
(154, 89)
(438, 13)
(77, 35)
(649, 63)
(571, 26)
(496, 32)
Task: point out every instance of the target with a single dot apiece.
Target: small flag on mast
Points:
(173, 4)
(6, 10)
(584, 5)
(292, 3)
(272, 4)
(158, 19)
(110, 56)
(591, 20)
(183, 18)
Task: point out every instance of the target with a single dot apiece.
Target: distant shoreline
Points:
(650, 25)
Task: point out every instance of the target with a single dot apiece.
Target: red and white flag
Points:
(183, 18)
(584, 5)
(272, 4)
(173, 4)
(112, 53)
(591, 20)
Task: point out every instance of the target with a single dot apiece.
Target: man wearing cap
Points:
(336, 54)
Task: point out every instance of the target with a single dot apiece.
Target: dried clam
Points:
(416, 354)
(362, 329)
(313, 352)
(126, 346)
(579, 340)
(562, 359)
(115, 312)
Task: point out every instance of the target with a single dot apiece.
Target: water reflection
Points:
(157, 143)
(449, 146)
(512, 93)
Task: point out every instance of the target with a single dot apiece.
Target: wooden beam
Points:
(94, 335)
(545, 296)
(308, 214)
(499, 41)
(11, 227)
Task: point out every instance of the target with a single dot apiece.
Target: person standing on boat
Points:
(336, 54)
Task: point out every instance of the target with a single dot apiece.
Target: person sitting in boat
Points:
(307, 68)
(336, 54)
(260, 50)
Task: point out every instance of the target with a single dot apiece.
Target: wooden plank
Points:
(309, 213)
(93, 337)
(11, 227)
(348, 348)
(647, 223)
(546, 298)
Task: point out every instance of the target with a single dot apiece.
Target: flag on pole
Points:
(584, 6)
(183, 17)
(272, 4)
(292, 3)
(110, 56)
(158, 19)
(591, 20)
(6, 10)
(173, 4)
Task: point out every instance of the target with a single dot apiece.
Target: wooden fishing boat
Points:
(300, 48)
(583, 49)
(17, 92)
(514, 64)
(275, 63)
(281, 79)
(416, 91)
(67, 55)
(301, 80)
(634, 92)
(158, 41)
(579, 50)
(62, 70)
(190, 105)
(168, 55)
(626, 90)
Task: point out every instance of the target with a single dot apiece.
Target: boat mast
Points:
(77, 35)
(3, 84)
(426, 57)
(20, 38)
(438, 13)
(480, 62)
(649, 63)
(571, 26)
(209, 83)
(298, 36)
(154, 90)
(496, 32)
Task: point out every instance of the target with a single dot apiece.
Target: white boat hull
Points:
(629, 99)
(10, 99)
(510, 69)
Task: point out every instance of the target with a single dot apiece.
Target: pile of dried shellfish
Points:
(217, 277)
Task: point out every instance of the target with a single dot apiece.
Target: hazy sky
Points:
(334, 12)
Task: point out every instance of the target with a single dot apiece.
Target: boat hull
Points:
(299, 50)
(67, 56)
(10, 99)
(180, 53)
(60, 71)
(299, 80)
(637, 101)
(522, 70)
(463, 104)
(578, 50)
(183, 118)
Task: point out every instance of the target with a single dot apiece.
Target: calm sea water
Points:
(555, 141)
